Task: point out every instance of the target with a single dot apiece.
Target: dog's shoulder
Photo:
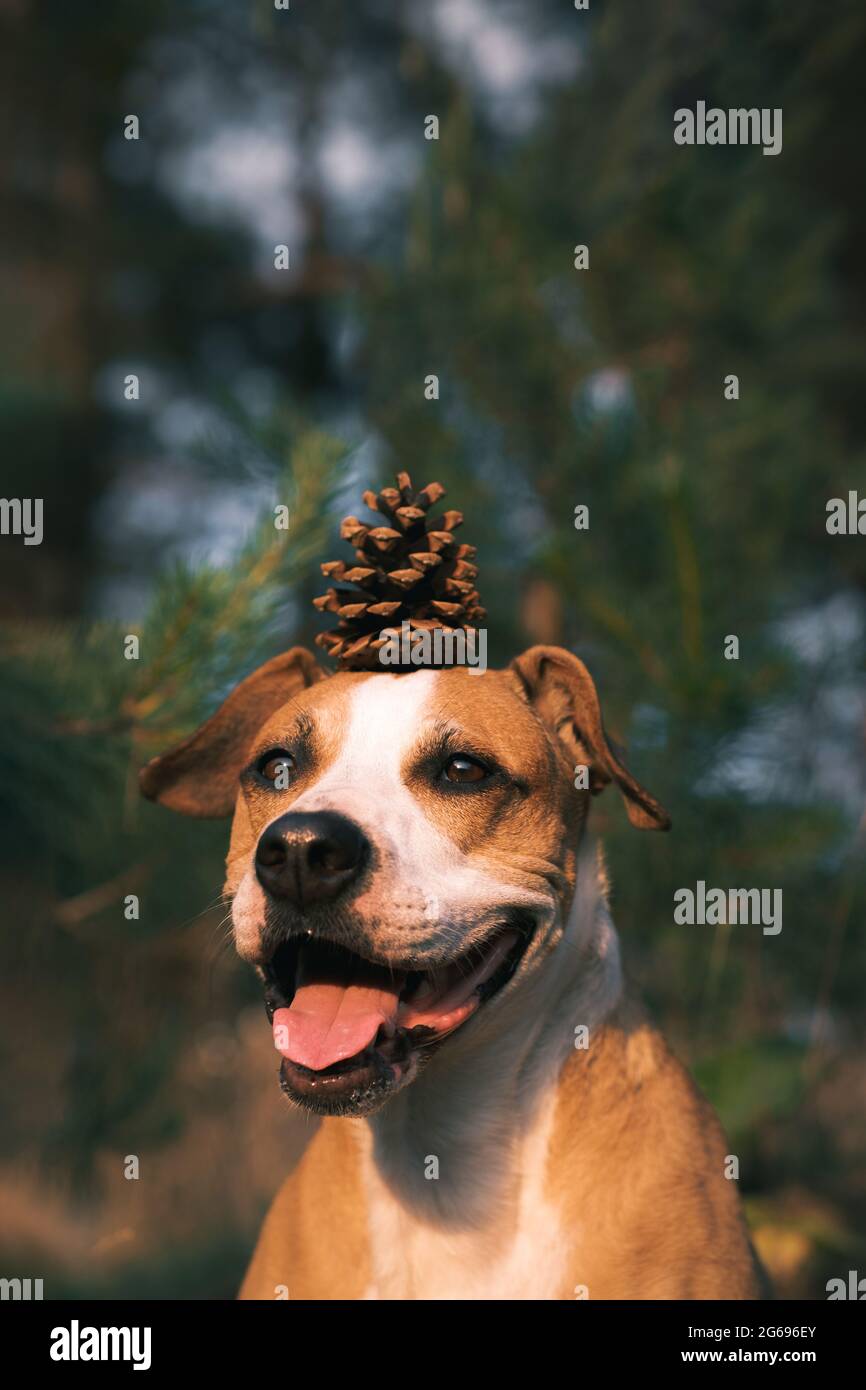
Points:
(641, 1161)
(618, 1072)
(313, 1243)
(627, 1101)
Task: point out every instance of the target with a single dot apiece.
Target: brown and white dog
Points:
(409, 875)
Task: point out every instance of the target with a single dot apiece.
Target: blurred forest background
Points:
(557, 387)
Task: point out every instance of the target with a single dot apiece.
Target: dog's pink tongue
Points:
(331, 1019)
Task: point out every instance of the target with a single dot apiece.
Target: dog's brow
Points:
(301, 730)
(304, 726)
(441, 731)
(448, 736)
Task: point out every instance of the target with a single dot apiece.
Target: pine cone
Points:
(411, 569)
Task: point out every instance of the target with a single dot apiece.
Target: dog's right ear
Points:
(199, 777)
(562, 691)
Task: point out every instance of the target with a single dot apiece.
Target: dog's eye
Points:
(462, 768)
(277, 767)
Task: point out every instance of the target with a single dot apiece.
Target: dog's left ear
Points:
(563, 693)
(199, 777)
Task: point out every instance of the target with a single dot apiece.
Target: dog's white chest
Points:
(520, 1255)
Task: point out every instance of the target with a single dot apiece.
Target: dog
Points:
(411, 875)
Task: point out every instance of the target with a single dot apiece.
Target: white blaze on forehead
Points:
(375, 732)
(386, 716)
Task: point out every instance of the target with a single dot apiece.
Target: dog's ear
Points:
(200, 776)
(562, 692)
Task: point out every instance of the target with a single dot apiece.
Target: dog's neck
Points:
(479, 1098)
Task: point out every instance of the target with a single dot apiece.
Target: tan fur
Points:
(314, 1243)
(634, 1173)
(565, 1173)
(560, 1172)
(638, 1161)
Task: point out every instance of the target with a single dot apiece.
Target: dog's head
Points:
(403, 852)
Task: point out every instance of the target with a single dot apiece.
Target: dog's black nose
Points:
(310, 858)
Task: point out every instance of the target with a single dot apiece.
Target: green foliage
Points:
(79, 718)
(76, 721)
(753, 1083)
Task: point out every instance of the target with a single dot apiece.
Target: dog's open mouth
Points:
(346, 1026)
